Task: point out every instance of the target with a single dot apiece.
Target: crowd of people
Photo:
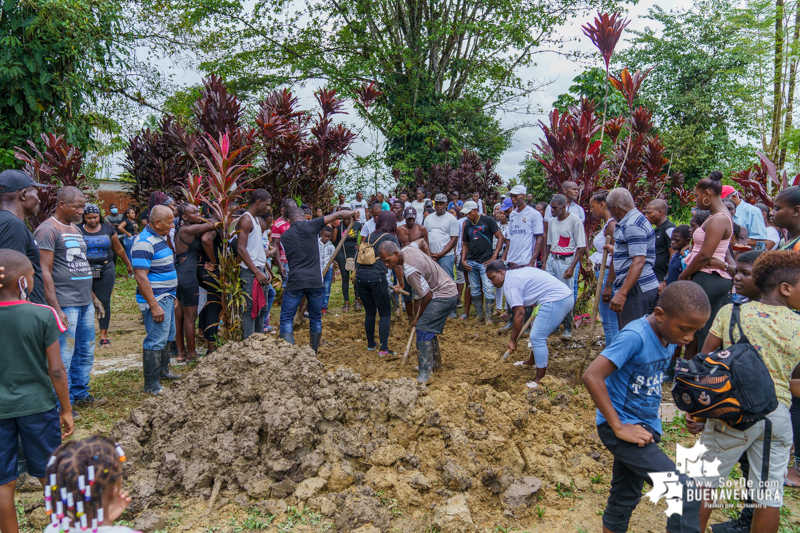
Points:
(669, 292)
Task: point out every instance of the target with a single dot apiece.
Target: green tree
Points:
(701, 91)
(445, 68)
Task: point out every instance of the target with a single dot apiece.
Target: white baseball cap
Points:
(518, 189)
(469, 206)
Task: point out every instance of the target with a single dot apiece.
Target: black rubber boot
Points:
(315, 339)
(567, 333)
(489, 311)
(424, 360)
(151, 365)
(437, 354)
(510, 323)
(165, 372)
(287, 336)
(478, 309)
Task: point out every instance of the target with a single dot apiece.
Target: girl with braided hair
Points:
(83, 487)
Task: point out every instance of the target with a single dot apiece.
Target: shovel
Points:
(339, 246)
(410, 338)
(597, 295)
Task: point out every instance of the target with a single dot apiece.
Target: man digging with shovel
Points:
(438, 299)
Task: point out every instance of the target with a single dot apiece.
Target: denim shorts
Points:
(40, 435)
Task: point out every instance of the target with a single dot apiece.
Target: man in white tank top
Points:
(250, 249)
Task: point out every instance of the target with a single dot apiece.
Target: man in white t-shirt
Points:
(369, 225)
(360, 205)
(525, 231)
(571, 191)
(442, 234)
(524, 234)
(419, 205)
(566, 244)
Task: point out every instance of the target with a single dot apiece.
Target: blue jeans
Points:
(327, 280)
(477, 278)
(77, 349)
(609, 317)
(291, 303)
(127, 242)
(447, 262)
(160, 334)
(549, 317)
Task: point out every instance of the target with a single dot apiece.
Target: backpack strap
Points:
(736, 321)
(765, 451)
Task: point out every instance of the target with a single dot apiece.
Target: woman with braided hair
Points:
(84, 487)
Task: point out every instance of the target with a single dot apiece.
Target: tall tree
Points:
(446, 67)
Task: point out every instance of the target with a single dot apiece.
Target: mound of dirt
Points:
(269, 423)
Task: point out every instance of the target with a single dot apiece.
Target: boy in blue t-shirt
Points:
(625, 384)
(30, 368)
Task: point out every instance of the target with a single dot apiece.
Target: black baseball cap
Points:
(16, 180)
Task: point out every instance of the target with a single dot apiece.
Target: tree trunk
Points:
(777, 93)
(792, 78)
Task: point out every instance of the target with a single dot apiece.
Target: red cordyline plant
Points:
(472, 174)
(155, 163)
(301, 154)
(220, 190)
(568, 153)
(605, 34)
(59, 165)
(753, 181)
(629, 87)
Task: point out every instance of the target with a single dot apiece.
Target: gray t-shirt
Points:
(440, 230)
(72, 275)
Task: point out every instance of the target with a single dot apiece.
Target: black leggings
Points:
(716, 288)
(102, 288)
(373, 289)
(209, 316)
(341, 259)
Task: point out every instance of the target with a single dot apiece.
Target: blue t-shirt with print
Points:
(635, 386)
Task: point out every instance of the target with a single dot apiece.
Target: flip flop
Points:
(463, 317)
(104, 342)
(522, 363)
(532, 384)
(787, 483)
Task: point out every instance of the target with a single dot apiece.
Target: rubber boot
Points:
(151, 365)
(288, 336)
(510, 323)
(424, 360)
(315, 339)
(478, 309)
(165, 372)
(567, 333)
(437, 354)
(489, 312)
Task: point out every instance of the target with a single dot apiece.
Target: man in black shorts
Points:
(438, 299)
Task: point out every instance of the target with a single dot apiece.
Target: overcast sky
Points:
(549, 66)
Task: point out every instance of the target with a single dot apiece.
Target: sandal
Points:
(345, 308)
(105, 342)
(357, 306)
(463, 317)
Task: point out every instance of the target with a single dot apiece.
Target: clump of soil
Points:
(271, 423)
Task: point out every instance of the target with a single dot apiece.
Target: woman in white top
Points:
(600, 211)
(773, 236)
(527, 287)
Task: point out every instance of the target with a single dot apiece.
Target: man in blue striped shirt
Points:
(156, 280)
(631, 276)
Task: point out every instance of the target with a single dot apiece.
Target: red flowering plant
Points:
(754, 181)
(58, 164)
